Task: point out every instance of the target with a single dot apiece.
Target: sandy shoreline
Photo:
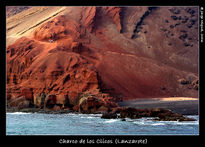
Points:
(184, 105)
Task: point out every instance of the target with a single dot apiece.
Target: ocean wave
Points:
(183, 123)
(142, 122)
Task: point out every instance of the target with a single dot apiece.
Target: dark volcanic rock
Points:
(175, 10)
(130, 113)
(183, 36)
(109, 115)
(174, 17)
(184, 81)
(161, 114)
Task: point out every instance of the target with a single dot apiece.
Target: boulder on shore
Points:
(109, 115)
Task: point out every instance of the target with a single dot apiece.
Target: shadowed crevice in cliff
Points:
(109, 90)
(138, 25)
(122, 11)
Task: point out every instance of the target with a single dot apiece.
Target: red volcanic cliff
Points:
(92, 56)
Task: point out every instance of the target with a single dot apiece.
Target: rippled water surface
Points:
(19, 123)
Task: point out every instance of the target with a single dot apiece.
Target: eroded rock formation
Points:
(109, 53)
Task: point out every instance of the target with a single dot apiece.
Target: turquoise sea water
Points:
(19, 123)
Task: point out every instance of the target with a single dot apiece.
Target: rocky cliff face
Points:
(108, 52)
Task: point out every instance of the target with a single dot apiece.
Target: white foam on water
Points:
(111, 121)
(185, 123)
(151, 122)
(90, 117)
(158, 124)
(129, 120)
(87, 117)
(140, 122)
(17, 113)
(96, 115)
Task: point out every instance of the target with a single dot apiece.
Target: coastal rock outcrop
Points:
(159, 114)
(109, 115)
(50, 101)
(19, 103)
(39, 100)
(91, 103)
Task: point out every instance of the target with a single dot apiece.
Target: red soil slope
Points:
(134, 52)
